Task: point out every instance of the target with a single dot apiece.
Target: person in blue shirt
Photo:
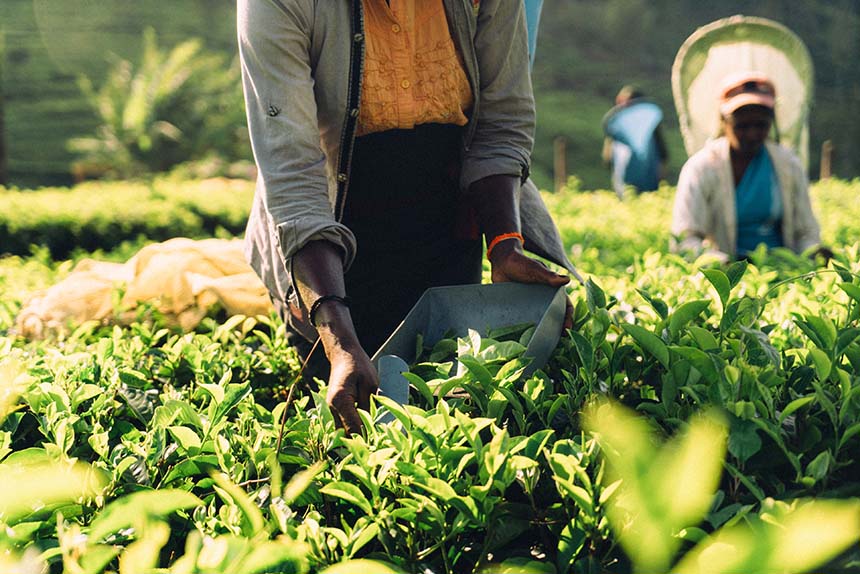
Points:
(634, 148)
(742, 189)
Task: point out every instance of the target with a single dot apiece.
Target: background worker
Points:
(634, 148)
(743, 189)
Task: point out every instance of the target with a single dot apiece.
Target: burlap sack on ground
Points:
(181, 278)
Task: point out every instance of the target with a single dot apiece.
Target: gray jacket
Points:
(302, 63)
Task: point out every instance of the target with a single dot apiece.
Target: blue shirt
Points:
(758, 205)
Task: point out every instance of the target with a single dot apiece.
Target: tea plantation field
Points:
(697, 418)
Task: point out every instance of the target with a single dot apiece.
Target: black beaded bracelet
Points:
(345, 301)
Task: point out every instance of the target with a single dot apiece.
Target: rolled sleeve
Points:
(504, 132)
(274, 50)
(298, 232)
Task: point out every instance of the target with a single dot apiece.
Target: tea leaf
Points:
(799, 540)
(684, 314)
(703, 362)
(845, 339)
(849, 433)
(439, 488)
(501, 350)
(301, 481)
(570, 543)
(594, 296)
(350, 493)
(142, 555)
(186, 437)
(744, 441)
(126, 511)
(584, 350)
(721, 284)
(479, 371)
(281, 555)
(795, 405)
(658, 305)
(649, 342)
(851, 290)
(762, 342)
(822, 363)
(362, 565)
(735, 271)
(819, 466)
(704, 338)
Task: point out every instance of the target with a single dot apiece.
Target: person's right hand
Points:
(351, 382)
(510, 264)
(318, 271)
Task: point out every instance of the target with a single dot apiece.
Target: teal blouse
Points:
(758, 205)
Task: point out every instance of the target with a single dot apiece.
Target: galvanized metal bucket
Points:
(444, 310)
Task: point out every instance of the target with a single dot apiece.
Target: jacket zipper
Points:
(347, 140)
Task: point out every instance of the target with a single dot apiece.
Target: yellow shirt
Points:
(412, 72)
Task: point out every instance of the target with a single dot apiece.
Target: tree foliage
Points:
(175, 106)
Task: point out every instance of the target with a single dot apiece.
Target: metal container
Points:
(456, 309)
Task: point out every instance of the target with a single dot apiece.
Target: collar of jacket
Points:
(462, 17)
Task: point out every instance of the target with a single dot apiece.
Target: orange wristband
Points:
(499, 238)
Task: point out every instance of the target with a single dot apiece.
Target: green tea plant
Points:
(751, 367)
(664, 491)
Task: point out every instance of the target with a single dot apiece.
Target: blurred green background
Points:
(587, 49)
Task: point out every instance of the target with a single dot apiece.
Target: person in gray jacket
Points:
(389, 135)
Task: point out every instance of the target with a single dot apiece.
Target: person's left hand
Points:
(510, 264)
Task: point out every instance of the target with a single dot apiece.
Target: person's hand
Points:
(351, 382)
(510, 264)
(824, 252)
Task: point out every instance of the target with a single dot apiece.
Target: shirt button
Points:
(341, 177)
(405, 84)
(395, 28)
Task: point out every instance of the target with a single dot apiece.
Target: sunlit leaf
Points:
(254, 522)
(349, 493)
(822, 363)
(28, 485)
(301, 481)
(802, 539)
(721, 283)
(354, 566)
(126, 511)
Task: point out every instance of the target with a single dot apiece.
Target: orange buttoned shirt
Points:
(412, 72)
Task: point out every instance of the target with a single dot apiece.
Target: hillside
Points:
(587, 49)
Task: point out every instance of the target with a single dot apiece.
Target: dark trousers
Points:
(411, 225)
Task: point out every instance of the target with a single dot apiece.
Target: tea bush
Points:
(101, 216)
(485, 470)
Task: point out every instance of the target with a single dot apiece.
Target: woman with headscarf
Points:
(743, 189)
